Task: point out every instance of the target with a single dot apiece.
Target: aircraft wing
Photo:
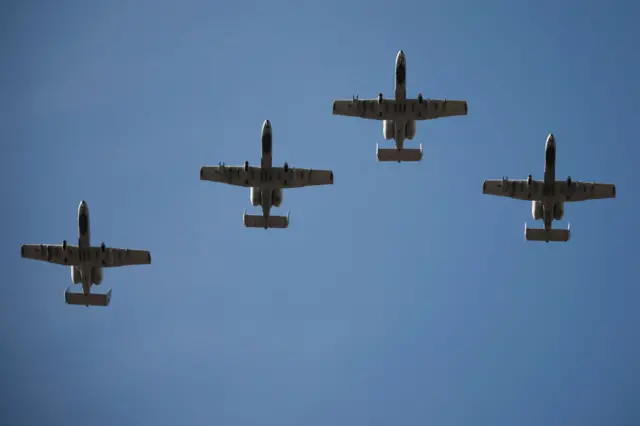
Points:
(273, 177)
(364, 108)
(52, 253)
(116, 257)
(519, 189)
(74, 256)
(410, 109)
(231, 175)
(298, 178)
(583, 191)
(429, 109)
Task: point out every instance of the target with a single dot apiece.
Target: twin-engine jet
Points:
(399, 115)
(86, 261)
(548, 196)
(266, 182)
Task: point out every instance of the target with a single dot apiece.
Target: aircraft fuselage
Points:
(399, 125)
(549, 180)
(266, 164)
(88, 274)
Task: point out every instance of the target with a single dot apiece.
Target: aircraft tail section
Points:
(552, 235)
(259, 221)
(404, 154)
(92, 299)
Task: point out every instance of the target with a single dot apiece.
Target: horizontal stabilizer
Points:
(404, 154)
(258, 221)
(555, 235)
(92, 299)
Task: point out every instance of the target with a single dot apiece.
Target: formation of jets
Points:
(267, 182)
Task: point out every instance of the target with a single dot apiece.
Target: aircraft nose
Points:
(551, 140)
(83, 204)
(267, 124)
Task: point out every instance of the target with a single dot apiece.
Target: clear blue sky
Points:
(399, 296)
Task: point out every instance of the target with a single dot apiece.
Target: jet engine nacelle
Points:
(276, 197)
(255, 196)
(558, 211)
(536, 210)
(388, 129)
(410, 129)
(96, 276)
(76, 275)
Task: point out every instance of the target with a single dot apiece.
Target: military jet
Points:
(86, 261)
(399, 115)
(266, 182)
(548, 196)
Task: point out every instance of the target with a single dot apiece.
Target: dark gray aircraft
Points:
(548, 196)
(86, 262)
(399, 115)
(266, 182)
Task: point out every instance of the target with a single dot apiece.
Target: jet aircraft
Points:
(399, 115)
(548, 196)
(86, 261)
(266, 182)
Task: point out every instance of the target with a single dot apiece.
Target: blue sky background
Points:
(399, 296)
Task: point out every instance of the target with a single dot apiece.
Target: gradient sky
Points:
(399, 296)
